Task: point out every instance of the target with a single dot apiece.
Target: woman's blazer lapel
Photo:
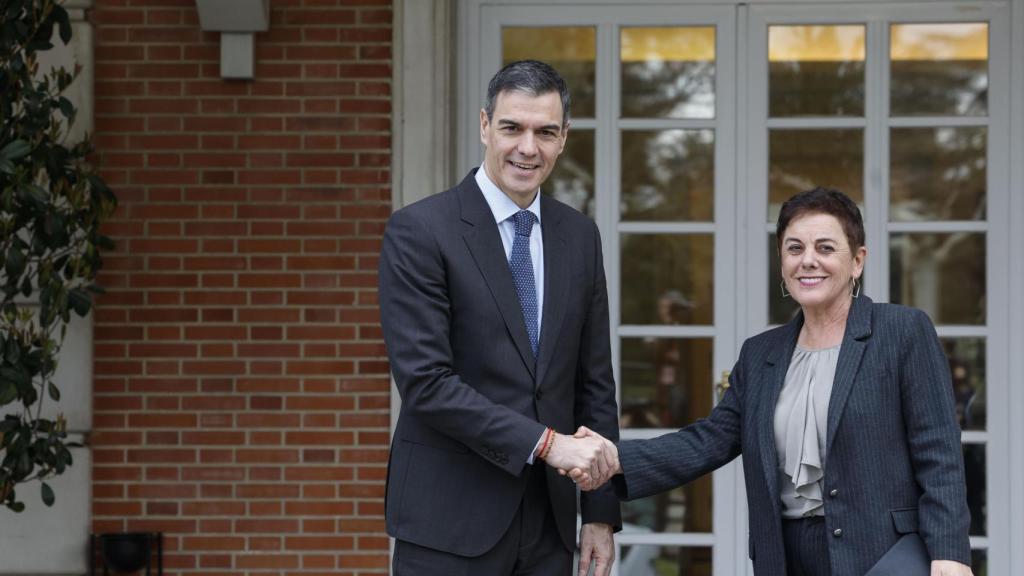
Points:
(855, 340)
(858, 329)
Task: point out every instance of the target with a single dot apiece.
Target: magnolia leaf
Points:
(24, 466)
(66, 108)
(79, 300)
(15, 263)
(65, 30)
(15, 149)
(8, 392)
(47, 493)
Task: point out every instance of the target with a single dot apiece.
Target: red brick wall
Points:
(241, 390)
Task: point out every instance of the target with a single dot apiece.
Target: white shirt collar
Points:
(501, 205)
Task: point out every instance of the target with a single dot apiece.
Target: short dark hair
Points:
(530, 77)
(824, 201)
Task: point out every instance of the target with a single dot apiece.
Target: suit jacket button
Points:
(834, 493)
(538, 395)
(838, 532)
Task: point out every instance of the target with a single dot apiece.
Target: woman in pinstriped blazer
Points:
(844, 417)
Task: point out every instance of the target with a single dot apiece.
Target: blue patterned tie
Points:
(522, 274)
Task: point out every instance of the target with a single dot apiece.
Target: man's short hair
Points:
(529, 77)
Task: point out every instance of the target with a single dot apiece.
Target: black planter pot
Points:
(127, 553)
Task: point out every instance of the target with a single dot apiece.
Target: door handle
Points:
(722, 385)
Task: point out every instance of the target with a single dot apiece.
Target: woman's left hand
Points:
(950, 568)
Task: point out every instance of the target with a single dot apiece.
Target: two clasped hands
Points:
(587, 457)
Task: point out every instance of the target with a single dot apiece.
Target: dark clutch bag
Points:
(907, 557)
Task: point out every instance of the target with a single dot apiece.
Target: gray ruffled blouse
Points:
(801, 417)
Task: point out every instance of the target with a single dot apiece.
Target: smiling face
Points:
(818, 264)
(523, 139)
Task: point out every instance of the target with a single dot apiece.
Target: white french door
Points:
(691, 123)
(904, 107)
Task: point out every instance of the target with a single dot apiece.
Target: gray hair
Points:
(529, 77)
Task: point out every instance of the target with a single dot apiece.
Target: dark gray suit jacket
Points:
(894, 460)
(474, 399)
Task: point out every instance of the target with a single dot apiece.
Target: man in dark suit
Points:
(495, 316)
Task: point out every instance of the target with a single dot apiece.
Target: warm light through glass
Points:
(667, 72)
(667, 44)
(939, 42)
(559, 43)
(572, 50)
(816, 43)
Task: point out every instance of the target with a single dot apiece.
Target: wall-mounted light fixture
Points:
(236, 20)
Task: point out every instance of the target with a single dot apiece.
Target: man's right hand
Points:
(587, 453)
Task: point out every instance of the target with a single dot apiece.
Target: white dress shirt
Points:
(503, 209)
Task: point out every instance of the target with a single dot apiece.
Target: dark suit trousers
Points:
(530, 547)
(806, 542)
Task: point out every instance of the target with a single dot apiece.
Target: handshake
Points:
(587, 457)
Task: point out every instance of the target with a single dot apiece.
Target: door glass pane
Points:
(668, 175)
(572, 180)
(655, 267)
(939, 69)
(654, 560)
(967, 366)
(570, 50)
(781, 309)
(668, 72)
(683, 509)
(665, 381)
(799, 160)
(942, 274)
(974, 468)
(815, 71)
(979, 562)
(937, 173)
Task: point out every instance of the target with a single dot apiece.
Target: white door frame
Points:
(876, 125)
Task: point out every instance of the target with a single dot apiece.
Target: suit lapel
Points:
(777, 364)
(484, 244)
(556, 283)
(858, 329)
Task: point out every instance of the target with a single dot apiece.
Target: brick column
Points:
(241, 386)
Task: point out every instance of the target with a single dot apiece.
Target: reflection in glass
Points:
(570, 50)
(967, 367)
(937, 173)
(665, 381)
(979, 562)
(974, 468)
(572, 180)
(660, 266)
(668, 175)
(668, 72)
(654, 560)
(683, 509)
(780, 309)
(816, 70)
(942, 274)
(939, 69)
(799, 160)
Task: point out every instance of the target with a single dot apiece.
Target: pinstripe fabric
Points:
(894, 457)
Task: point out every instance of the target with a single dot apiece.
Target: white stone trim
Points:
(423, 102)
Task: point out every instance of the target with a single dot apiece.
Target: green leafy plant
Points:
(51, 206)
